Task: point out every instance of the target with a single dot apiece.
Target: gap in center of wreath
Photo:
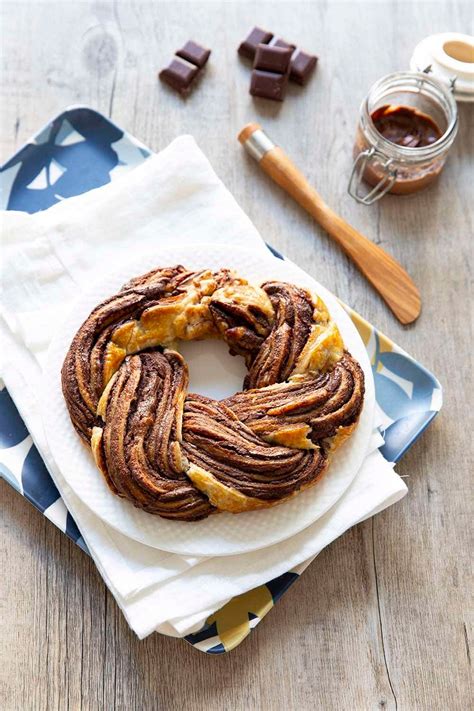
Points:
(212, 370)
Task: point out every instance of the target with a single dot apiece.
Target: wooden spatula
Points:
(385, 274)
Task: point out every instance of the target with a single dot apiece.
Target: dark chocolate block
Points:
(268, 85)
(302, 66)
(179, 75)
(249, 46)
(272, 59)
(278, 42)
(194, 53)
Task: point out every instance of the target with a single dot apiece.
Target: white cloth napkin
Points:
(47, 259)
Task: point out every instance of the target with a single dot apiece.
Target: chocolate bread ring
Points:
(183, 456)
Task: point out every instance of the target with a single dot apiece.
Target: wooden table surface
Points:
(381, 618)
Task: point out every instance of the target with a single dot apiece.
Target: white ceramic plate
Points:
(214, 373)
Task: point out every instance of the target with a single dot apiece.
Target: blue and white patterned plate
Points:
(79, 150)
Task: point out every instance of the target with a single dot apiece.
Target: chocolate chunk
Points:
(272, 59)
(268, 85)
(249, 46)
(278, 42)
(179, 75)
(194, 53)
(302, 66)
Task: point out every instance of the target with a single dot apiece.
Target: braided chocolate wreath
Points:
(184, 456)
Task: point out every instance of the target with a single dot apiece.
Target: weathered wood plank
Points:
(380, 620)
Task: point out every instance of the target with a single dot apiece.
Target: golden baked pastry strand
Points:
(320, 405)
(138, 449)
(235, 468)
(291, 327)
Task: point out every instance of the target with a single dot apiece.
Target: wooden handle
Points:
(385, 274)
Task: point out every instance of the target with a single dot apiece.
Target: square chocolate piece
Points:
(179, 75)
(278, 42)
(268, 85)
(273, 59)
(249, 46)
(302, 66)
(194, 53)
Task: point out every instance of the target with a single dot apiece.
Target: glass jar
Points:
(389, 167)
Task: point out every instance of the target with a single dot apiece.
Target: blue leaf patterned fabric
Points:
(71, 528)
(38, 487)
(393, 399)
(280, 585)
(409, 370)
(403, 432)
(275, 252)
(12, 428)
(36, 187)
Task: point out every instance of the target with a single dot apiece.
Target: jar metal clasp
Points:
(361, 163)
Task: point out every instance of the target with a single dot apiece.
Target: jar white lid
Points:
(449, 57)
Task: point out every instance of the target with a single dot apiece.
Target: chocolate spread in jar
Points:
(406, 127)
